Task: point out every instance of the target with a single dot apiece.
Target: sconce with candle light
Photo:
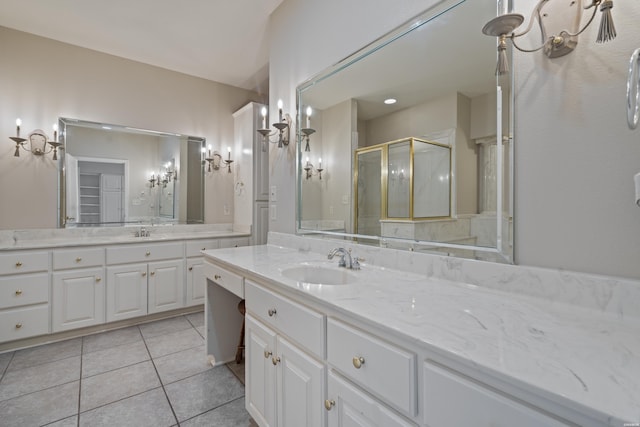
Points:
(39, 143)
(554, 45)
(283, 127)
(307, 130)
(311, 170)
(215, 159)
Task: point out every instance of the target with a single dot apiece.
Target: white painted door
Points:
(260, 388)
(126, 291)
(166, 285)
(196, 284)
(300, 387)
(348, 406)
(112, 198)
(78, 299)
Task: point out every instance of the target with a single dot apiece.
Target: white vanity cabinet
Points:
(78, 293)
(144, 278)
(285, 375)
(195, 282)
(24, 294)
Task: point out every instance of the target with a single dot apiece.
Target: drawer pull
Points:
(328, 404)
(18, 325)
(275, 360)
(358, 361)
(144, 274)
(204, 249)
(18, 264)
(98, 279)
(267, 354)
(79, 259)
(18, 292)
(217, 277)
(153, 273)
(190, 268)
(272, 312)
(148, 253)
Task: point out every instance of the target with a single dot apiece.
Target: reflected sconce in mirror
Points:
(283, 127)
(307, 130)
(554, 45)
(311, 170)
(39, 143)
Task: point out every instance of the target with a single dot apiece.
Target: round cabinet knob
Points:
(271, 312)
(153, 273)
(204, 249)
(328, 404)
(275, 360)
(217, 277)
(98, 279)
(18, 264)
(358, 361)
(18, 292)
(18, 325)
(79, 259)
(144, 274)
(190, 268)
(267, 354)
(148, 253)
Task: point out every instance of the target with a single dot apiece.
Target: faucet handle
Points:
(355, 265)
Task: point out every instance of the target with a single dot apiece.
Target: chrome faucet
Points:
(345, 258)
(143, 232)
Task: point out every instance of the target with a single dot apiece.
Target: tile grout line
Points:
(80, 382)
(6, 368)
(153, 363)
(213, 409)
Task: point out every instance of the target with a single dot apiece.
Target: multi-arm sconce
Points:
(215, 159)
(169, 174)
(554, 45)
(38, 141)
(283, 127)
(311, 170)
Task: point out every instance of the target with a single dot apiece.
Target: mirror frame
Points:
(503, 250)
(62, 179)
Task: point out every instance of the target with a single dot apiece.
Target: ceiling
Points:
(220, 40)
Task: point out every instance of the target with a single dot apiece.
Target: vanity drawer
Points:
(384, 368)
(78, 258)
(24, 322)
(25, 289)
(298, 322)
(194, 247)
(234, 242)
(23, 262)
(141, 253)
(228, 280)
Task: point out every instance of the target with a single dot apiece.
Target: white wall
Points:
(574, 155)
(41, 79)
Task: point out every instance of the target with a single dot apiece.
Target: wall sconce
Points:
(283, 127)
(307, 130)
(212, 159)
(38, 141)
(554, 45)
(310, 170)
(228, 161)
(152, 180)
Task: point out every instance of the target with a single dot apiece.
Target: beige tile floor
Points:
(153, 374)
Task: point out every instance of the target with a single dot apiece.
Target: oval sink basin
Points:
(318, 275)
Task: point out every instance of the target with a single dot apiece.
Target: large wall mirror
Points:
(116, 175)
(412, 145)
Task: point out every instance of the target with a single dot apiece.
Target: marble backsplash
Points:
(618, 297)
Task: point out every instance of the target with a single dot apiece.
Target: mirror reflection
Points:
(116, 175)
(414, 135)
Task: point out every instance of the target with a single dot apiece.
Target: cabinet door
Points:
(350, 406)
(126, 291)
(166, 285)
(196, 285)
(78, 299)
(260, 223)
(300, 387)
(260, 389)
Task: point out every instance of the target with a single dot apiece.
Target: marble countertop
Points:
(41, 239)
(583, 359)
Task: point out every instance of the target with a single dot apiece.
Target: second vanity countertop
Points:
(588, 360)
(46, 239)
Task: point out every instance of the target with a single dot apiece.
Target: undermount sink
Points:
(319, 275)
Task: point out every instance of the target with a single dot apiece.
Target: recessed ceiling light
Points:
(106, 127)
(390, 101)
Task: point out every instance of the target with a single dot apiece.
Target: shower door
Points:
(369, 192)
